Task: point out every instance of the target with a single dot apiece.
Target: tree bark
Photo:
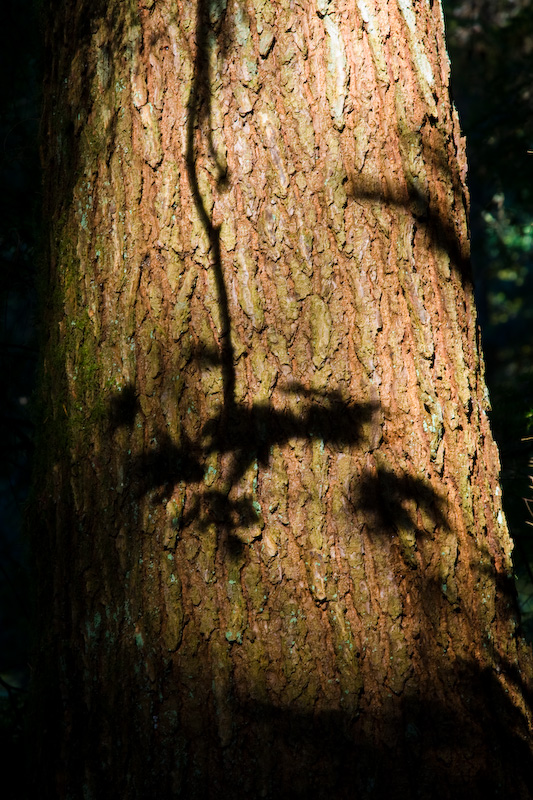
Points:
(269, 529)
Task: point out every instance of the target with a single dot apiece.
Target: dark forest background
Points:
(491, 49)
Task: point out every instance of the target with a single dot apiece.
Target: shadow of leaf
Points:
(123, 407)
(166, 465)
(250, 433)
(395, 501)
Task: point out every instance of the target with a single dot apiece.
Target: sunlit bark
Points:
(272, 532)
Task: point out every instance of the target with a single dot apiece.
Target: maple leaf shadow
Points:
(250, 432)
(247, 434)
(394, 502)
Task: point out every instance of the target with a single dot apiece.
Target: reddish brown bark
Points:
(276, 557)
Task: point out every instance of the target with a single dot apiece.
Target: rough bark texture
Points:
(273, 558)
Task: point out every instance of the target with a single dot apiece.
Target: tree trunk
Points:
(272, 554)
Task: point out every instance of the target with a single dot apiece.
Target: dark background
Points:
(491, 49)
(20, 79)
